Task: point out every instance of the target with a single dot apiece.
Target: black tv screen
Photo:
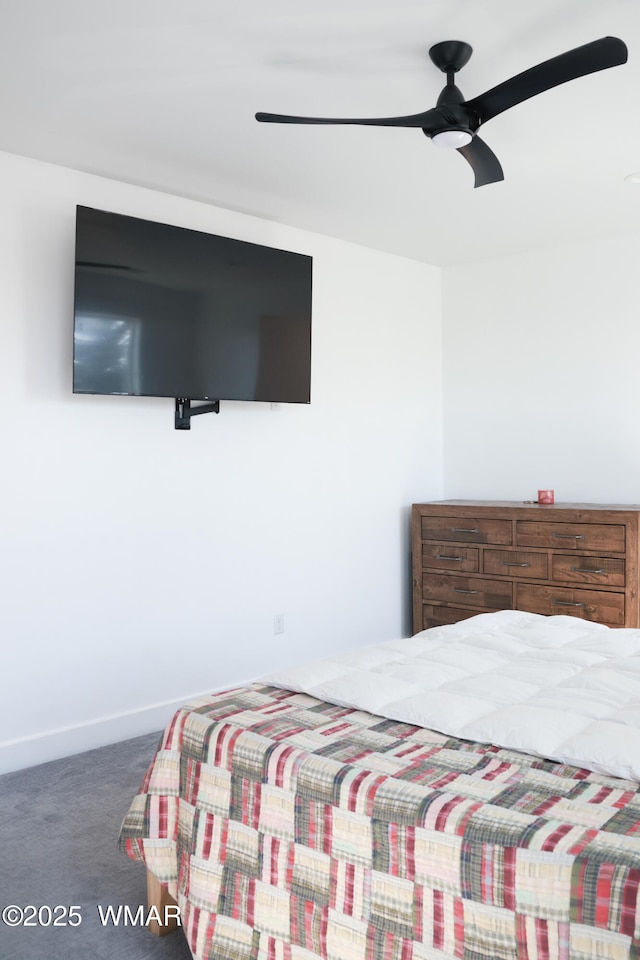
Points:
(162, 311)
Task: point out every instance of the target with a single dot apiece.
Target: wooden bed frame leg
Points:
(160, 901)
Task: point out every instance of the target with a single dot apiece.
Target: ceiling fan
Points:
(454, 121)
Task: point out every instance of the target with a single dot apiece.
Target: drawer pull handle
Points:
(440, 556)
(600, 571)
(567, 603)
(458, 590)
(512, 563)
(465, 530)
(568, 536)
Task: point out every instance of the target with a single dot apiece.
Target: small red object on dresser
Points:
(545, 496)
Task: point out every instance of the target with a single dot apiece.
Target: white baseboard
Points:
(66, 741)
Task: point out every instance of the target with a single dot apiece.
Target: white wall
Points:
(139, 565)
(541, 375)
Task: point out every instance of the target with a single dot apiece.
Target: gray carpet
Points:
(59, 825)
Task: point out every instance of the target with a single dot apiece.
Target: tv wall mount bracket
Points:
(184, 411)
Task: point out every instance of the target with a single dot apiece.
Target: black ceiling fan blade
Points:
(589, 58)
(483, 161)
(426, 119)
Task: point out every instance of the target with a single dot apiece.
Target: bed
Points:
(470, 792)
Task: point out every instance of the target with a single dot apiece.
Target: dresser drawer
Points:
(433, 616)
(466, 530)
(462, 559)
(608, 537)
(598, 605)
(514, 564)
(470, 591)
(602, 570)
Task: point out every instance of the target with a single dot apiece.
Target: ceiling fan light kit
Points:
(452, 139)
(454, 121)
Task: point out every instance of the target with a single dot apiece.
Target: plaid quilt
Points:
(292, 829)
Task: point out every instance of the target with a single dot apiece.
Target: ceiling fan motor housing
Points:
(453, 116)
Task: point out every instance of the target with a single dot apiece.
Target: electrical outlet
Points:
(278, 623)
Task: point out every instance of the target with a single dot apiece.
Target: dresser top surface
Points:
(530, 505)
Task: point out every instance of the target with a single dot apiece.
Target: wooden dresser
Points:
(476, 556)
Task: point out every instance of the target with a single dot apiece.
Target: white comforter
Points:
(556, 687)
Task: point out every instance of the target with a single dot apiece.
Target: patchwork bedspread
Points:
(289, 828)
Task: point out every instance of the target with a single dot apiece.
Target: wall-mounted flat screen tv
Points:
(163, 311)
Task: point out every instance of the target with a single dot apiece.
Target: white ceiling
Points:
(162, 93)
